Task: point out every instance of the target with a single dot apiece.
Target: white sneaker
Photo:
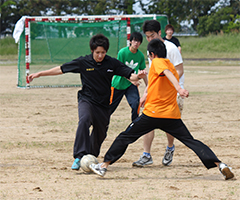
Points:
(144, 160)
(97, 169)
(226, 171)
(168, 156)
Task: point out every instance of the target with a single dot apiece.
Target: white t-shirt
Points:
(174, 55)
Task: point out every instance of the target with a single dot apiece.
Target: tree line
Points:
(208, 16)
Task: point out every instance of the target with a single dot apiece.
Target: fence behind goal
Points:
(53, 43)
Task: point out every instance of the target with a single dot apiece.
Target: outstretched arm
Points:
(51, 72)
(136, 77)
(182, 92)
(137, 83)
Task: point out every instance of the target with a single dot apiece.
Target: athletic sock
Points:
(147, 154)
(171, 148)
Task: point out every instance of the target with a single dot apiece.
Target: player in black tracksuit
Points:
(96, 71)
(93, 100)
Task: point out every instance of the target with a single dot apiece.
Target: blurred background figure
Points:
(169, 30)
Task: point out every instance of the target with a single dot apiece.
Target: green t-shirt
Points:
(135, 61)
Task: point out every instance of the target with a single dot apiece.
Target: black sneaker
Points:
(97, 169)
(168, 157)
(226, 171)
(144, 160)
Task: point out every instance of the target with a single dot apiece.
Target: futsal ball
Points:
(86, 161)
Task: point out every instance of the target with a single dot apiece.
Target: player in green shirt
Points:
(134, 58)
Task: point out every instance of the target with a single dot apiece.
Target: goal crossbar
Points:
(74, 19)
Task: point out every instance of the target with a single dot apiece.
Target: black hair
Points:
(151, 25)
(157, 47)
(99, 40)
(137, 36)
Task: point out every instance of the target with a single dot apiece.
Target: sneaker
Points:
(168, 157)
(144, 160)
(76, 164)
(97, 169)
(226, 171)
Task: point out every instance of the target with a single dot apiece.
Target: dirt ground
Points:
(37, 131)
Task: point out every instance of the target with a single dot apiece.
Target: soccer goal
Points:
(48, 41)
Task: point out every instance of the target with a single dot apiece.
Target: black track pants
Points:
(175, 127)
(98, 118)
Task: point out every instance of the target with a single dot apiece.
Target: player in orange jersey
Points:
(161, 111)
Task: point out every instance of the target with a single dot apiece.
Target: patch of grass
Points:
(212, 46)
(8, 47)
(189, 62)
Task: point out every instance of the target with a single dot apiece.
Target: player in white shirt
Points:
(152, 30)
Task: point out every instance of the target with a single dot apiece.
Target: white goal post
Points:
(64, 20)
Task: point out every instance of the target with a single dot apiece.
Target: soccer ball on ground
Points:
(86, 161)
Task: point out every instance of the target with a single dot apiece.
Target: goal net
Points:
(47, 42)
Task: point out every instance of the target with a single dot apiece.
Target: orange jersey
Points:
(161, 99)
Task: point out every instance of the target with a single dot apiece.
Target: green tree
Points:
(214, 22)
(179, 10)
(199, 11)
(198, 8)
(234, 25)
(6, 17)
(122, 6)
(222, 20)
(235, 4)
(175, 10)
(15, 9)
(86, 7)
